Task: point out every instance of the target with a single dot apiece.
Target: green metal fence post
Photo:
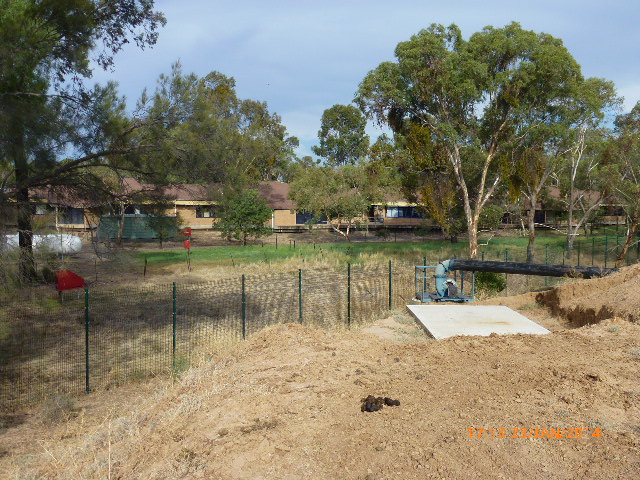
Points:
(87, 386)
(473, 286)
(424, 277)
(606, 250)
(546, 262)
(578, 251)
(300, 295)
(348, 294)
(391, 284)
(506, 259)
(174, 327)
(244, 309)
(593, 248)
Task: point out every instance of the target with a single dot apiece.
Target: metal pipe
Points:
(527, 268)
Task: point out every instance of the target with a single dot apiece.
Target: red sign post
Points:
(187, 245)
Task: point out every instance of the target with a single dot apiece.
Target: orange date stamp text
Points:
(524, 433)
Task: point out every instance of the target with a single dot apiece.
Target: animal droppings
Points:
(373, 404)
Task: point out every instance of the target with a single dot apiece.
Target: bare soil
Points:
(286, 404)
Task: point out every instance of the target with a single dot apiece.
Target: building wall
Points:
(284, 218)
(188, 217)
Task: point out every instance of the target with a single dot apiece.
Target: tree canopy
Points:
(342, 136)
(46, 111)
(210, 135)
(473, 103)
(244, 215)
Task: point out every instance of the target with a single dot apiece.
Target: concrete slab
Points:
(444, 321)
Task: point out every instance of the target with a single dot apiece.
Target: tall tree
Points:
(625, 171)
(341, 195)
(479, 99)
(244, 215)
(45, 51)
(342, 136)
(212, 135)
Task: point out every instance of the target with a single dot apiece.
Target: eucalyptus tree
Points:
(211, 135)
(624, 151)
(479, 100)
(342, 136)
(46, 47)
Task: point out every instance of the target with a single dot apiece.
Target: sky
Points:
(302, 57)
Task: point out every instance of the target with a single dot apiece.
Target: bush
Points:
(490, 282)
(48, 275)
(423, 231)
(382, 232)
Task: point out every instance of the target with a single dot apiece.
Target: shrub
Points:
(490, 282)
(383, 232)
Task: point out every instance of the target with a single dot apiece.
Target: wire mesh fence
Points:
(95, 339)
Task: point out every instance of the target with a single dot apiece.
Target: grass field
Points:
(549, 248)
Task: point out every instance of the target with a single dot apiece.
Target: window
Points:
(42, 209)
(403, 212)
(205, 211)
(303, 217)
(72, 216)
(133, 210)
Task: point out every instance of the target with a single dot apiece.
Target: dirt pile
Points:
(286, 404)
(593, 300)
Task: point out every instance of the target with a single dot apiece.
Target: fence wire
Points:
(79, 341)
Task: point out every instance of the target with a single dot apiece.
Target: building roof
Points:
(277, 195)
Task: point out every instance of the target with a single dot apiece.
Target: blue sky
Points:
(302, 57)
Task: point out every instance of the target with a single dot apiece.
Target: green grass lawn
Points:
(549, 248)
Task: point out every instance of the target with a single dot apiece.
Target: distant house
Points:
(64, 210)
(552, 212)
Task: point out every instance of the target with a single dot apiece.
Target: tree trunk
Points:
(472, 224)
(531, 217)
(26, 262)
(120, 225)
(630, 234)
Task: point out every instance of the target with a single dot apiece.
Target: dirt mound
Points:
(286, 404)
(593, 300)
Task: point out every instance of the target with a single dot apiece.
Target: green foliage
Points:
(164, 226)
(382, 232)
(491, 217)
(342, 195)
(342, 136)
(53, 130)
(462, 109)
(244, 215)
(490, 282)
(210, 135)
(48, 275)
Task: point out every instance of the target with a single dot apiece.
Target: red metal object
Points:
(67, 280)
(187, 244)
(186, 232)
